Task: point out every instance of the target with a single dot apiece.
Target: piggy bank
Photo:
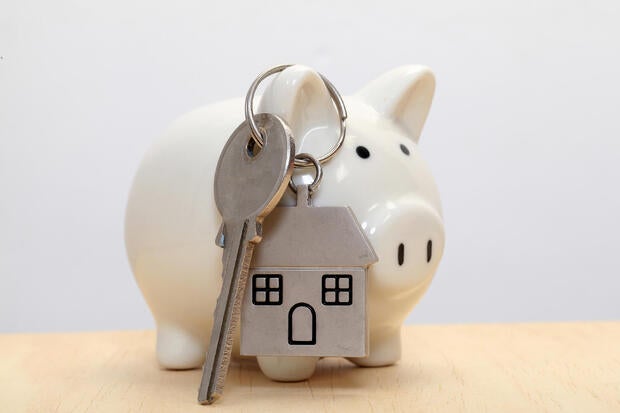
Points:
(172, 221)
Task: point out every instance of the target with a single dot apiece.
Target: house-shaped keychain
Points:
(306, 292)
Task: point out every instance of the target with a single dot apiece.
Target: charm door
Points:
(302, 325)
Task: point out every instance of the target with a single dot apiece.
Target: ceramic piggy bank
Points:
(171, 221)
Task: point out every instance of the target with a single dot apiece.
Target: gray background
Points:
(523, 138)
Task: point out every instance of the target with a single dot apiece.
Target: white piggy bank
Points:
(172, 221)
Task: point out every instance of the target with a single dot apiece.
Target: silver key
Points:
(248, 185)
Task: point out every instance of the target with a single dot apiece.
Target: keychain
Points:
(308, 281)
(307, 294)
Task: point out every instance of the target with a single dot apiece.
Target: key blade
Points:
(238, 254)
(248, 184)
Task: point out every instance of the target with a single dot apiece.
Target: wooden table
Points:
(572, 367)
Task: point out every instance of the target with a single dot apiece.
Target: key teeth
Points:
(210, 399)
(218, 389)
(221, 378)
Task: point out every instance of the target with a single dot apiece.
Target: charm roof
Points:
(306, 236)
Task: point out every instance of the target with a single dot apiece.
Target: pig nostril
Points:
(429, 250)
(404, 149)
(401, 253)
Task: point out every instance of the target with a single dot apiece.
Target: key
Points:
(249, 182)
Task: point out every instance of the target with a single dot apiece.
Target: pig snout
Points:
(408, 237)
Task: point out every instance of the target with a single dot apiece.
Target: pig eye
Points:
(429, 250)
(404, 149)
(401, 253)
(362, 152)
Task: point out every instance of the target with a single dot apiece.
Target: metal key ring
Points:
(256, 132)
(319, 172)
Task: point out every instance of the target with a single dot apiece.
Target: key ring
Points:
(255, 131)
(317, 166)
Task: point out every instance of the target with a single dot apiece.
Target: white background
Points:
(523, 138)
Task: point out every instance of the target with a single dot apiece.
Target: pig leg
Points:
(287, 368)
(385, 348)
(179, 348)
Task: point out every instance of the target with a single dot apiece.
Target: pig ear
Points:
(404, 95)
(299, 96)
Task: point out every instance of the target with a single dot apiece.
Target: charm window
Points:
(267, 289)
(337, 289)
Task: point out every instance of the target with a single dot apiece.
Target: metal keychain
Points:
(250, 179)
(308, 279)
(333, 92)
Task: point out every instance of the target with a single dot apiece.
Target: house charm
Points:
(306, 292)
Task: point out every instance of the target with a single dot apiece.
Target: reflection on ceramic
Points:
(171, 220)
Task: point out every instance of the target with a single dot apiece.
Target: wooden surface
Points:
(475, 368)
